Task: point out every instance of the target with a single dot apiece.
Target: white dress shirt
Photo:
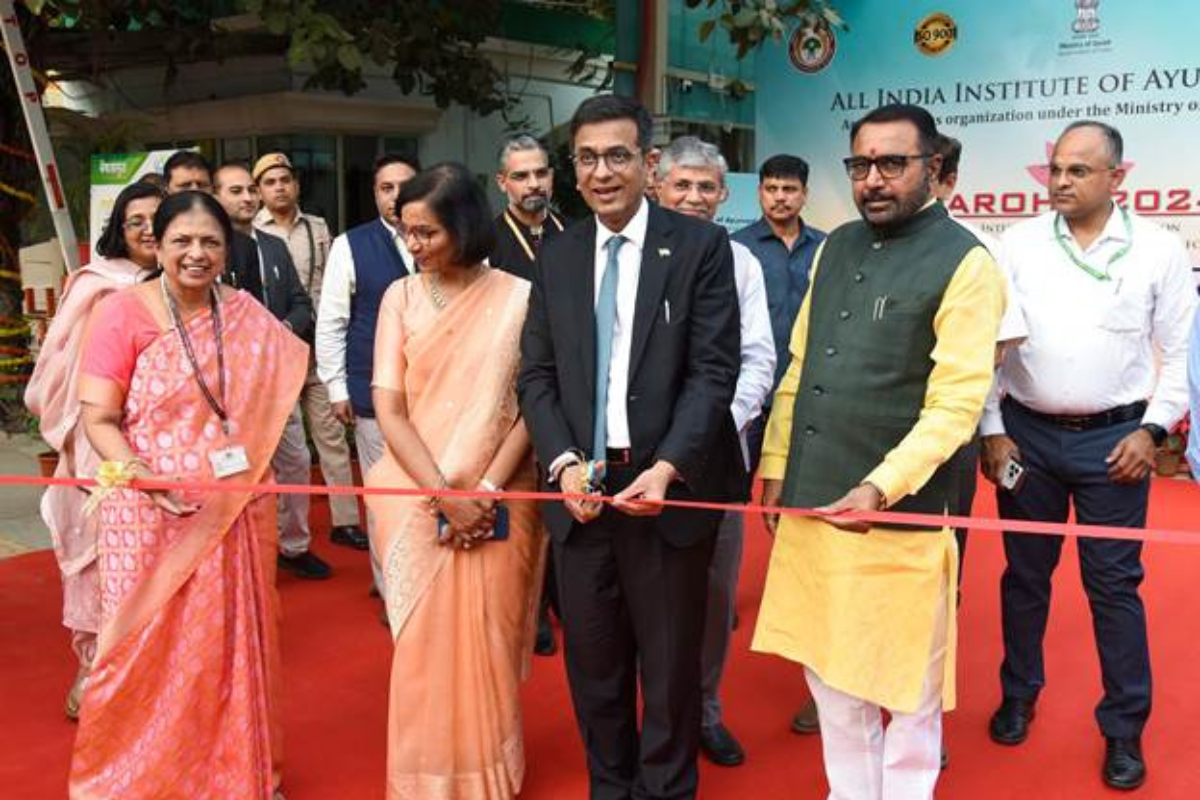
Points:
(333, 315)
(1091, 343)
(1193, 447)
(629, 268)
(1012, 324)
(756, 375)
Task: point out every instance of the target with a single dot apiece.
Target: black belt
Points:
(618, 456)
(1087, 422)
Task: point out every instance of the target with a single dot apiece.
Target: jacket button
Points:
(876, 245)
(859, 277)
(843, 314)
(633, 398)
(810, 431)
(818, 390)
(831, 351)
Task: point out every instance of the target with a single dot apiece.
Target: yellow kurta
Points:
(859, 610)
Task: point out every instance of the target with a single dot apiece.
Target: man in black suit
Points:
(262, 265)
(630, 356)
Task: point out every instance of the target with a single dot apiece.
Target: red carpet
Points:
(336, 657)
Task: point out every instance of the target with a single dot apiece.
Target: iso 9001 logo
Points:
(935, 34)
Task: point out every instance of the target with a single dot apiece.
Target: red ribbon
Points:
(1073, 529)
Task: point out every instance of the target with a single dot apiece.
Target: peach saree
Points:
(52, 397)
(462, 620)
(182, 698)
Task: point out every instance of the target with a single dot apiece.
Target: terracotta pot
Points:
(47, 463)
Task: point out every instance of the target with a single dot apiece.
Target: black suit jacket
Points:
(683, 363)
(284, 294)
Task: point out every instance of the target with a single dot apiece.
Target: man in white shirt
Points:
(363, 262)
(1193, 449)
(690, 179)
(1083, 408)
(307, 238)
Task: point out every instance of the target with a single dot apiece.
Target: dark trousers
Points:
(633, 607)
(966, 498)
(1062, 467)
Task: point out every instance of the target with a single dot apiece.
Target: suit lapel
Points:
(652, 281)
(583, 292)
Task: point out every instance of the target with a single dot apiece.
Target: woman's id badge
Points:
(229, 461)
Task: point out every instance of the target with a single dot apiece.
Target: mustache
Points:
(872, 196)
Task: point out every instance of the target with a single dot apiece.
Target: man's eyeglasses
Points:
(889, 166)
(1077, 172)
(422, 236)
(617, 158)
(705, 188)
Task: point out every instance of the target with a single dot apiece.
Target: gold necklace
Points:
(434, 285)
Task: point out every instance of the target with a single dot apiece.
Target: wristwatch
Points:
(1157, 432)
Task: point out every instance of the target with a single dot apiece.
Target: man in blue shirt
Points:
(785, 247)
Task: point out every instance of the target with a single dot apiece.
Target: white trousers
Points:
(864, 760)
(368, 440)
(293, 465)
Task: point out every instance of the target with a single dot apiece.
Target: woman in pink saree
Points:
(126, 254)
(461, 596)
(184, 379)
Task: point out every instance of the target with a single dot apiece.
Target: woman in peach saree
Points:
(125, 253)
(461, 604)
(187, 380)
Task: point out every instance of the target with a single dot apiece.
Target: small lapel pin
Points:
(663, 252)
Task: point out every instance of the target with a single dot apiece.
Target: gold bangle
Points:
(434, 501)
(491, 487)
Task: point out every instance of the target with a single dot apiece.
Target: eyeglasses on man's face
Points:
(889, 166)
(705, 188)
(618, 158)
(1076, 172)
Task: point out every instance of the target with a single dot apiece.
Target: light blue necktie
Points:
(606, 321)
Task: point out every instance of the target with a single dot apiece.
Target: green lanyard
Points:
(1089, 269)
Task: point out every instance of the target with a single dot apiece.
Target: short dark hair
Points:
(784, 166)
(387, 159)
(186, 159)
(950, 149)
(1112, 137)
(111, 243)
(181, 203)
(242, 165)
(918, 117)
(608, 107)
(459, 203)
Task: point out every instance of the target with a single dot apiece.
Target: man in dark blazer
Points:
(630, 356)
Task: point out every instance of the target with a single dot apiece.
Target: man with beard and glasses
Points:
(893, 354)
(527, 180)
(785, 247)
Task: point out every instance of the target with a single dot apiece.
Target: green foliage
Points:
(750, 23)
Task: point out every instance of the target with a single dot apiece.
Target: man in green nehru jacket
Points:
(892, 357)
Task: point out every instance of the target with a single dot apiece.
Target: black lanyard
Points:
(218, 408)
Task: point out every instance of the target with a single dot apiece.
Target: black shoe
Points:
(1123, 764)
(719, 746)
(807, 721)
(306, 565)
(1010, 723)
(349, 536)
(545, 644)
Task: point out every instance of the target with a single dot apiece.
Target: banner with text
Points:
(1005, 81)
